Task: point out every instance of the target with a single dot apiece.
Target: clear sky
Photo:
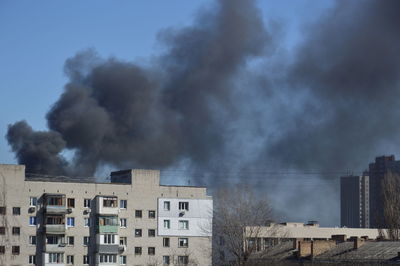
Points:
(36, 37)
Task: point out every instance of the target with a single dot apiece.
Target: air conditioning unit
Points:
(69, 210)
(88, 211)
(181, 213)
(62, 244)
(122, 248)
(32, 209)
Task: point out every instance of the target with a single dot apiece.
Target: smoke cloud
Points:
(209, 102)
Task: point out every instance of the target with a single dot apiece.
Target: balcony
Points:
(55, 204)
(55, 228)
(107, 229)
(56, 209)
(107, 205)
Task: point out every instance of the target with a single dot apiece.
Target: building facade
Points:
(131, 220)
(354, 201)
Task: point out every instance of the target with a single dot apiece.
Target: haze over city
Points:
(286, 96)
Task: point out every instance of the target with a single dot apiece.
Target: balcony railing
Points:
(56, 209)
(59, 248)
(107, 229)
(55, 228)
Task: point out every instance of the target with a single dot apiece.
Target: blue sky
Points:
(37, 37)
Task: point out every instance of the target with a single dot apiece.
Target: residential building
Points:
(130, 220)
(354, 201)
(377, 171)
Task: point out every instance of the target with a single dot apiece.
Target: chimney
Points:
(358, 242)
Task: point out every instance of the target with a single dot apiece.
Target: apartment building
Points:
(130, 220)
(354, 201)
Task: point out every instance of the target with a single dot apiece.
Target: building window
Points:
(183, 242)
(183, 260)
(122, 222)
(123, 241)
(152, 214)
(32, 201)
(138, 250)
(32, 220)
(165, 260)
(167, 205)
(86, 259)
(71, 203)
(109, 239)
(16, 211)
(152, 232)
(15, 250)
(110, 202)
(104, 220)
(86, 203)
(138, 232)
(151, 251)
(16, 231)
(138, 213)
(183, 225)
(32, 240)
(167, 224)
(2, 230)
(107, 258)
(56, 257)
(183, 206)
(123, 204)
(32, 259)
(2, 249)
(86, 222)
(71, 221)
(122, 260)
(70, 240)
(54, 239)
(2, 210)
(166, 242)
(86, 240)
(70, 259)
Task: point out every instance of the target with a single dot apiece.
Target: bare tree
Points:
(239, 215)
(391, 205)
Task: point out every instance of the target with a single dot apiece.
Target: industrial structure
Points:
(129, 220)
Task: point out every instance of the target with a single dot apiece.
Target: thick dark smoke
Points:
(331, 107)
(123, 114)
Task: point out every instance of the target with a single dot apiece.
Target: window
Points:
(15, 250)
(151, 251)
(152, 214)
(71, 221)
(70, 259)
(123, 204)
(16, 231)
(122, 260)
(55, 201)
(2, 249)
(32, 259)
(56, 257)
(109, 239)
(138, 250)
(86, 222)
(183, 205)
(183, 260)
(183, 225)
(32, 220)
(167, 205)
(32, 201)
(151, 232)
(16, 211)
(165, 260)
(110, 202)
(54, 239)
(71, 203)
(86, 259)
(138, 213)
(32, 240)
(167, 224)
(123, 241)
(107, 258)
(138, 232)
(86, 203)
(86, 240)
(2, 230)
(183, 242)
(3, 210)
(70, 240)
(122, 222)
(104, 220)
(54, 220)
(166, 242)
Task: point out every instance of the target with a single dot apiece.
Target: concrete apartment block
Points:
(56, 221)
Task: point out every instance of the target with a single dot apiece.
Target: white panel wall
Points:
(199, 217)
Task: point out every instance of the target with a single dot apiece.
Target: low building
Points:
(130, 220)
